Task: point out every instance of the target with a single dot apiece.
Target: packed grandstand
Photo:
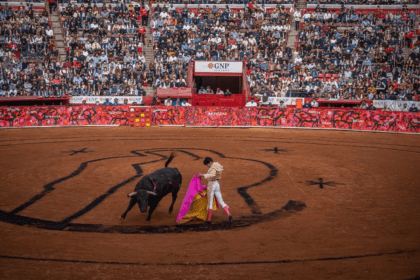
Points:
(329, 50)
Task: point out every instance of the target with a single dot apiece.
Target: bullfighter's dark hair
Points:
(171, 157)
(207, 160)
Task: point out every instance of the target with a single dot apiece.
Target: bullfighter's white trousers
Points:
(216, 193)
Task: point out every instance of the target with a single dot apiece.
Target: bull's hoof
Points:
(148, 220)
(121, 218)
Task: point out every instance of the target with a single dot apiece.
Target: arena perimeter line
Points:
(195, 139)
(212, 263)
(239, 127)
(251, 138)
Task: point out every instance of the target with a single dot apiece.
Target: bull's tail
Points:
(171, 157)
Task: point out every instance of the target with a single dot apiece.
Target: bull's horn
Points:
(152, 193)
(132, 194)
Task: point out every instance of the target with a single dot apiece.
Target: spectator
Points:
(168, 101)
(405, 108)
(185, 103)
(51, 4)
(386, 109)
(282, 105)
(251, 103)
(307, 105)
(177, 102)
(297, 15)
(202, 90)
(371, 107)
(219, 91)
(413, 108)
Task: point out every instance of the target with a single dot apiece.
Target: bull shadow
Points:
(66, 224)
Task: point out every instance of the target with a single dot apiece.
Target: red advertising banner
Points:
(173, 115)
(63, 116)
(210, 116)
(290, 117)
(218, 116)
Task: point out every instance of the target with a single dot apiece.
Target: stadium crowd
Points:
(340, 54)
(355, 56)
(24, 37)
(105, 48)
(253, 34)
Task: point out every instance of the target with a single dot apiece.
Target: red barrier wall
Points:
(291, 117)
(63, 116)
(213, 116)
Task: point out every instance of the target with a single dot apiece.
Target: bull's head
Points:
(142, 198)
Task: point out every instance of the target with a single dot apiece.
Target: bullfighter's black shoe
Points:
(207, 222)
(230, 219)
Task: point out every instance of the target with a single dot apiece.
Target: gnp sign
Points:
(218, 67)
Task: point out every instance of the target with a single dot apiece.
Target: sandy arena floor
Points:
(63, 189)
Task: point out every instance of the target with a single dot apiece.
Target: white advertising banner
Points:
(286, 100)
(218, 67)
(395, 105)
(102, 99)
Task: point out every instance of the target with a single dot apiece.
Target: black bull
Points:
(167, 180)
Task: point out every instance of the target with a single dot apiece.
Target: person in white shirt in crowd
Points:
(348, 73)
(202, 90)
(251, 103)
(311, 87)
(405, 108)
(185, 103)
(314, 103)
(193, 27)
(251, 40)
(327, 17)
(386, 108)
(49, 32)
(187, 27)
(156, 35)
(306, 17)
(164, 14)
(259, 15)
(282, 105)
(333, 82)
(168, 101)
(219, 91)
(153, 23)
(298, 60)
(311, 65)
(141, 58)
(297, 15)
(172, 58)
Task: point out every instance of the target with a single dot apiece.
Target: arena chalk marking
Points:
(66, 224)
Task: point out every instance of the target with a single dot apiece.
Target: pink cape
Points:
(194, 188)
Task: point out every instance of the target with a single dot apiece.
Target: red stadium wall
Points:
(291, 117)
(63, 116)
(210, 116)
